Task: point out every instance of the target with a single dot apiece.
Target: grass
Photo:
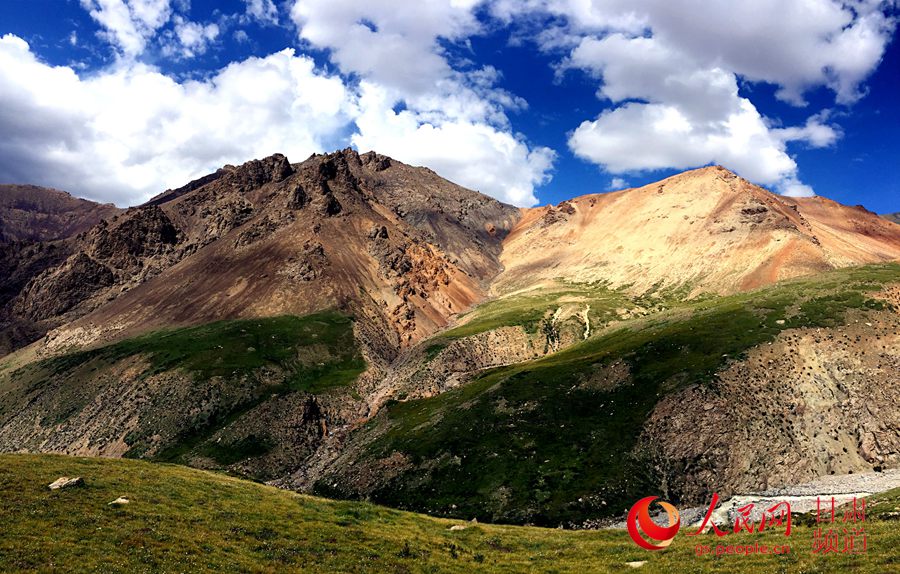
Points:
(531, 443)
(231, 348)
(529, 309)
(232, 365)
(185, 520)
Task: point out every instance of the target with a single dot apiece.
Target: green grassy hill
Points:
(543, 442)
(196, 395)
(185, 520)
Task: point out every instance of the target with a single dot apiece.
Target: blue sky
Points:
(532, 101)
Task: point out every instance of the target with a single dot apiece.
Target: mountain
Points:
(399, 246)
(258, 271)
(895, 217)
(32, 213)
(703, 230)
(361, 328)
(38, 227)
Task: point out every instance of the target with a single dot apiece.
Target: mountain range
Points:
(360, 328)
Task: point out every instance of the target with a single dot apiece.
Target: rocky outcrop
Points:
(434, 368)
(256, 173)
(142, 233)
(816, 402)
(59, 290)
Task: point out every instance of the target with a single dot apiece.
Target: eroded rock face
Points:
(271, 237)
(59, 290)
(29, 213)
(256, 173)
(427, 372)
(147, 232)
(283, 433)
(816, 402)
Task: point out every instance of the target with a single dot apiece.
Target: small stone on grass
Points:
(65, 482)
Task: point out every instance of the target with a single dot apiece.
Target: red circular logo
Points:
(639, 515)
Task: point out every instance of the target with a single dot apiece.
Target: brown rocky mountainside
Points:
(403, 248)
(398, 246)
(37, 231)
(32, 213)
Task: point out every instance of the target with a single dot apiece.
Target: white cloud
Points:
(189, 39)
(472, 154)
(395, 46)
(263, 11)
(129, 132)
(815, 133)
(616, 184)
(451, 120)
(129, 24)
(405, 86)
(672, 79)
(141, 131)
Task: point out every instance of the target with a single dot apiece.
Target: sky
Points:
(529, 101)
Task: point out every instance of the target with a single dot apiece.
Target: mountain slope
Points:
(726, 394)
(368, 329)
(706, 229)
(180, 519)
(895, 217)
(32, 213)
(392, 250)
(37, 232)
(397, 246)
(212, 396)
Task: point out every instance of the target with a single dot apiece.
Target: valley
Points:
(359, 329)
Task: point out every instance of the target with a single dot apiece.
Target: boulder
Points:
(65, 482)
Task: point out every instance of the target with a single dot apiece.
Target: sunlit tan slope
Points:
(706, 229)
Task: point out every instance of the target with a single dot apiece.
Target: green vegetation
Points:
(528, 309)
(539, 443)
(185, 520)
(232, 348)
(248, 447)
(230, 367)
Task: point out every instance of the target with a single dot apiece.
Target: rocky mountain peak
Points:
(258, 172)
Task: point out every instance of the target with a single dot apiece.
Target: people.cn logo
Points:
(639, 515)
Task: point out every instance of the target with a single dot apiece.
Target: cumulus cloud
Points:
(616, 184)
(263, 11)
(129, 24)
(672, 80)
(473, 154)
(403, 84)
(127, 133)
(189, 39)
(452, 117)
(396, 47)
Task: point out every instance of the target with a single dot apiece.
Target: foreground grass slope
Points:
(185, 520)
(552, 441)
